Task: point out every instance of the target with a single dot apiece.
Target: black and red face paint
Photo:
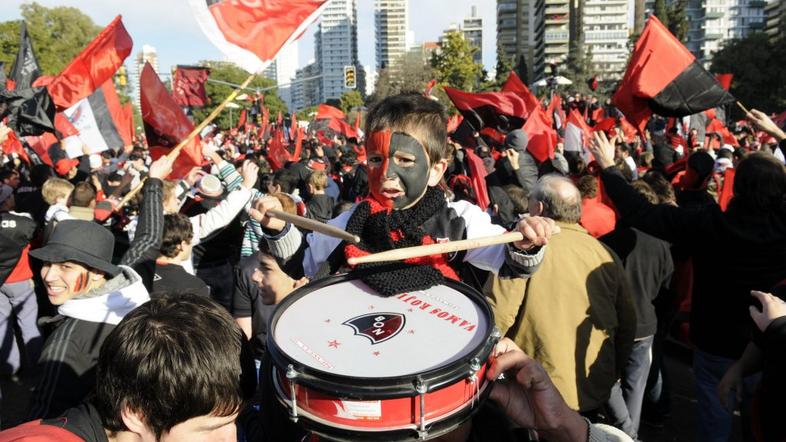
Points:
(398, 169)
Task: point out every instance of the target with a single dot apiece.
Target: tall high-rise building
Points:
(556, 32)
(282, 70)
(472, 28)
(775, 26)
(336, 46)
(712, 22)
(516, 36)
(305, 89)
(391, 26)
(605, 33)
(148, 54)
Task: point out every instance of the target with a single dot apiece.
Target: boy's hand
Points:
(536, 230)
(249, 172)
(259, 213)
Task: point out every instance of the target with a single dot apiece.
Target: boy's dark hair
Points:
(7, 173)
(422, 118)
(661, 186)
(171, 359)
(588, 186)
(285, 178)
(177, 228)
(82, 195)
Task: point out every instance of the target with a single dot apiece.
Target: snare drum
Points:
(349, 364)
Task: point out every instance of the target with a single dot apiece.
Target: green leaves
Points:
(453, 63)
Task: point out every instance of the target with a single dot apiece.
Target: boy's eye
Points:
(375, 160)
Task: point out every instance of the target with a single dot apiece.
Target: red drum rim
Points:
(381, 387)
(435, 425)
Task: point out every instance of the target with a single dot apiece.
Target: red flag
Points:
(598, 114)
(166, 124)
(96, 64)
(541, 136)
(323, 139)
(265, 121)
(477, 175)
(429, 87)
(40, 145)
(252, 33)
(727, 190)
(357, 121)
(280, 120)
(515, 85)
(64, 127)
(342, 127)
(724, 80)
(116, 111)
(326, 111)
(277, 154)
(605, 125)
(127, 123)
(12, 145)
(664, 77)
(293, 126)
(502, 110)
(628, 131)
(301, 133)
(188, 86)
(718, 127)
(241, 122)
(577, 135)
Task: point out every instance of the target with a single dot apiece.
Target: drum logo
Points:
(377, 327)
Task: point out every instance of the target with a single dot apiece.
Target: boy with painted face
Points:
(407, 155)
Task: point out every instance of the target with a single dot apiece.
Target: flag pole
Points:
(176, 151)
(743, 108)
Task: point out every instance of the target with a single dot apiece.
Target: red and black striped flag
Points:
(664, 78)
(503, 111)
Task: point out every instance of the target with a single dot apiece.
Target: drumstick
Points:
(743, 108)
(314, 225)
(437, 249)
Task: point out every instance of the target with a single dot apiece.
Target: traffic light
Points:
(349, 77)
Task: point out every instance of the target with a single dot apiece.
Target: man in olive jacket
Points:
(575, 315)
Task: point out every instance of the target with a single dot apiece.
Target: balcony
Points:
(757, 25)
(713, 36)
(757, 4)
(709, 15)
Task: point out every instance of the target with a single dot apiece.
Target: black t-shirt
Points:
(247, 302)
(162, 278)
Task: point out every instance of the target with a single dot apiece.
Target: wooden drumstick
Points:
(314, 225)
(437, 249)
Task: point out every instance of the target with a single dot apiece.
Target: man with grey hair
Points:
(575, 315)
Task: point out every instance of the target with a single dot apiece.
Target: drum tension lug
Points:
(421, 389)
(291, 376)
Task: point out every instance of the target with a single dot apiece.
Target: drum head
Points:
(340, 328)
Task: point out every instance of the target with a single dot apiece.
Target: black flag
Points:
(25, 68)
(31, 111)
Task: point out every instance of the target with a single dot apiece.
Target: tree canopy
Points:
(58, 35)
(758, 82)
(231, 73)
(349, 100)
(454, 65)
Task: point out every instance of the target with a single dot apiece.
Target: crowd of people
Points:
(147, 318)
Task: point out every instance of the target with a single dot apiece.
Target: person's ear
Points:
(437, 170)
(300, 282)
(133, 421)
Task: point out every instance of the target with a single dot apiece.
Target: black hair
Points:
(177, 228)
(287, 179)
(171, 359)
(759, 184)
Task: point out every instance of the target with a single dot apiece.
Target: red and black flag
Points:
(188, 86)
(515, 85)
(96, 64)
(251, 33)
(25, 69)
(592, 83)
(94, 120)
(166, 124)
(326, 111)
(503, 111)
(664, 78)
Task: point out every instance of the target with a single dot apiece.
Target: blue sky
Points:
(169, 26)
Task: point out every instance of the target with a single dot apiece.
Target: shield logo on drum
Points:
(377, 327)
